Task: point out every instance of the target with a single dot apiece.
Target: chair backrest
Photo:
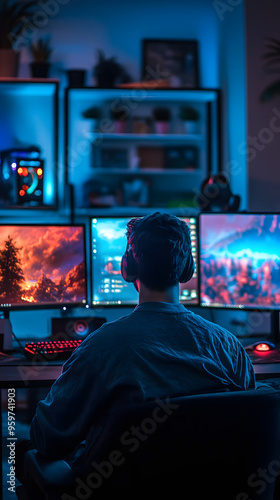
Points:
(222, 445)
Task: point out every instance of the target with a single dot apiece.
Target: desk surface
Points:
(28, 375)
(19, 372)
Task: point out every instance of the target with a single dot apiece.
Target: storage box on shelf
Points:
(139, 151)
(28, 144)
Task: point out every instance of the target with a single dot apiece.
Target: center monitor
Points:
(240, 260)
(108, 241)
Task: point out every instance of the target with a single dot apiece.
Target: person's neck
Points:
(146, 295)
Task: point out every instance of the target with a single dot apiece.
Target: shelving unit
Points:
(101, 161)
(29, 119)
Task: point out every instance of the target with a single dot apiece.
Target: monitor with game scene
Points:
(42, 266)
(239, 260)
(108, 244)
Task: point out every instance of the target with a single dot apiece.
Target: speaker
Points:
(75, 328)
(6, 335)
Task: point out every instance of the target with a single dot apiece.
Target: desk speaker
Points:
(75, 328)
(6, 336)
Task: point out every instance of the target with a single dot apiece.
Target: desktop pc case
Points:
(22, 177)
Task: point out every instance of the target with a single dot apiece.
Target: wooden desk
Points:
(28, 375)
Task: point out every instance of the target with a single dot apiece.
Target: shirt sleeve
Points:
(242, 366)
(65, 416)
(248, 371)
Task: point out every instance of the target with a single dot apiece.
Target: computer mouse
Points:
(261, 347)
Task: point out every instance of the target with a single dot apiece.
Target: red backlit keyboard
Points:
(51, 350)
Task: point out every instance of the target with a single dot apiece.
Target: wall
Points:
(262, 21)
(79, 27)
(232, 80)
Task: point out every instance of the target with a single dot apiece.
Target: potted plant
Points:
(76, 77)
(119, 116)
(108, 72)
(15, 15)
(162, 120)
(41, 52)
(189, 117)
(93, 113)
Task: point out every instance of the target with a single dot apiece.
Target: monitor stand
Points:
(6, 333)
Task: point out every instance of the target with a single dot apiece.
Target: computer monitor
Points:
(108, 244)
(42, 266)
(240, 260)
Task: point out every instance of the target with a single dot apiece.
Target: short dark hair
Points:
(160, 245)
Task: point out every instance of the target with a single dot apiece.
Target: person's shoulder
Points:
(109, 328)
(215, 330)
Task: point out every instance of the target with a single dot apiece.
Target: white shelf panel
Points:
(146, 137)
(146, 171)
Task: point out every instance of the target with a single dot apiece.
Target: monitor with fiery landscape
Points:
(42, 266)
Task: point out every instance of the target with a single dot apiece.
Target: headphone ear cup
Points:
(128, 267)
(188, 270)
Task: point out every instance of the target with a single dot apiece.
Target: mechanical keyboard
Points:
(51, 350)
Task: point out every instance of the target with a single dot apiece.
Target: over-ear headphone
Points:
(189, 268)
(129, 267)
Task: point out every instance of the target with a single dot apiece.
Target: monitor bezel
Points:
(230, 307)
(57, 305)
(133, 305)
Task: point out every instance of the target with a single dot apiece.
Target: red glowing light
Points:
(22, 192)
(262, 347)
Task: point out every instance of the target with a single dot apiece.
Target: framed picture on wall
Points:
(175, 61)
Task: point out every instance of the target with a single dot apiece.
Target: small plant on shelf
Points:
(162, 118)
(15, 16)
(190, 117)
(120, 117)
(109, 72)
(41, 52)
(161, 114)
(188, 113)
